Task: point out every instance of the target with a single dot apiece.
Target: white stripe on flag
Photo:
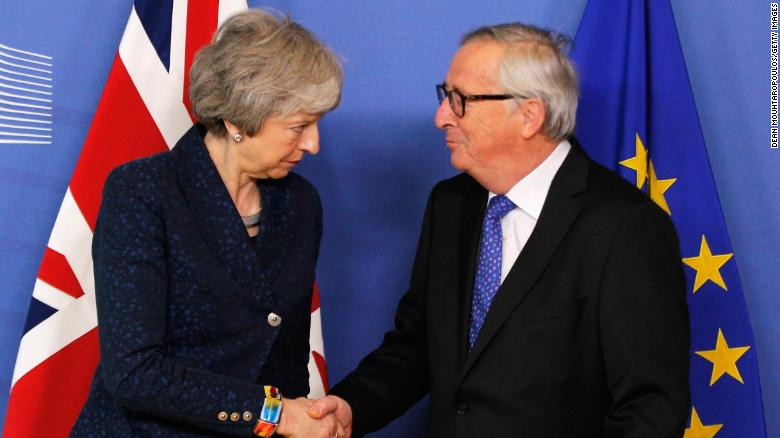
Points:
(178, 44)
(57, 331)
(50, 295)
(156, 88)
(316, 385)
(72, 237)
(228, 8)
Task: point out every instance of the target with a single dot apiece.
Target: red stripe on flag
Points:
(48, 399)
(322, 368)
(200, 15)
(122, 130)
(56, 271)
(315, 298)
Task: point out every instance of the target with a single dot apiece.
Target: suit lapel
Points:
(559, 212)
(213, 210)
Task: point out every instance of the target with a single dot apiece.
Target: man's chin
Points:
(458, 162)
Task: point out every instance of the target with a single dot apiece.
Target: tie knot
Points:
(499, 206)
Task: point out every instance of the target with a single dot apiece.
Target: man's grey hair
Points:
(534, 65)
(261, 65)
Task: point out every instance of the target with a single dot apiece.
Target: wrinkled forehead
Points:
(475, 66)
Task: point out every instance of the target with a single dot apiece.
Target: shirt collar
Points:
(529, 193)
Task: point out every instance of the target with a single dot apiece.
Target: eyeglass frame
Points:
(441, 93)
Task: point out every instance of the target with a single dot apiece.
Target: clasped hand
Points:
(328, 417)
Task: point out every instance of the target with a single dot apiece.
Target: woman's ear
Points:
(233, 131)
(231, 128)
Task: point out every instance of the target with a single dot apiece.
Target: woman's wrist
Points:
(270, 413)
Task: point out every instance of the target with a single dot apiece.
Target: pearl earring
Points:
(237, 137)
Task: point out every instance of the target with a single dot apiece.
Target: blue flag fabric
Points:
(637, 116)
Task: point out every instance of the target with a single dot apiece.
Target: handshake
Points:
(328, 417)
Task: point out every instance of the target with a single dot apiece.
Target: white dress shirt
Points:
(528, 195)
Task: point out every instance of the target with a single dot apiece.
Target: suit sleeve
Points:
(644, 328)
(393, 377)
(129, 251)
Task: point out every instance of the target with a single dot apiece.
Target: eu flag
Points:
(637, 116)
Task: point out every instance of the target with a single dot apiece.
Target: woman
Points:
(204, 256)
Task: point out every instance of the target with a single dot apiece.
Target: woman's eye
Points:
(299, 129)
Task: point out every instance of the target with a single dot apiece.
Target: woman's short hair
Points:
(258, 65)
(534, 65)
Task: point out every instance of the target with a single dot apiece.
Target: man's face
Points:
(483, 138)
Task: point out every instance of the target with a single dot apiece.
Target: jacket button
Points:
(222, 416)
(462, 409)
(247, 416)
(234, 416)
(274, 320)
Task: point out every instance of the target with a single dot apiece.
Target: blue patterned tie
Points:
(489, 269)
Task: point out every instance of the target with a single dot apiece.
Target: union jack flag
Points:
(144, 109)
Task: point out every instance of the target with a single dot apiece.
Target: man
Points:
(587, 334)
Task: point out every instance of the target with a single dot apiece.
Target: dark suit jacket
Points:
(587, 336)
(183, 297)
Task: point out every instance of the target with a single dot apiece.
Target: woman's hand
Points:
(296, 422)
(336, 406)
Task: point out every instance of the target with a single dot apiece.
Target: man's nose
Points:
(444, 116)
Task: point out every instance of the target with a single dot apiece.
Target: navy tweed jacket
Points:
(184, 297)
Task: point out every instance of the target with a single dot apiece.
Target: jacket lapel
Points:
(559, 212)
(213, 211)
(276, 231)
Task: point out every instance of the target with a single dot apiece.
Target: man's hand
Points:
(336, 406)
(296, 422)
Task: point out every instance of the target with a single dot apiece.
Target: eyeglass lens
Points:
(454, 97)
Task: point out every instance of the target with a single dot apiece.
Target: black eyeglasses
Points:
(458, 100)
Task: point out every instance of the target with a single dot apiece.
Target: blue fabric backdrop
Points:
(381, 154)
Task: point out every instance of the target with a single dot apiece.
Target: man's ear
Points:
(531, 114)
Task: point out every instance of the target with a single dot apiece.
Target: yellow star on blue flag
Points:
(638, 162)
(707, 266)
(699, 430)
(724, 359)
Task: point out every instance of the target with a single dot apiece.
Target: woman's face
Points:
(279, 145)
